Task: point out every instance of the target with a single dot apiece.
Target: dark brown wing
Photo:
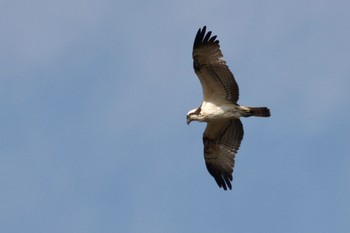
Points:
(221, 141)
(217, 80)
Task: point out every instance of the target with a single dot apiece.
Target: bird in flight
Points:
(219, 108)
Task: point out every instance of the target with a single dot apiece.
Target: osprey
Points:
(224, 132)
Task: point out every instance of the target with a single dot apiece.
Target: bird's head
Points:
(192, 115)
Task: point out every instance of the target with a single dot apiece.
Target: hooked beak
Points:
(188, 120)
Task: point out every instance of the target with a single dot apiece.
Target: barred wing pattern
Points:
(221, 141)
(217, 80)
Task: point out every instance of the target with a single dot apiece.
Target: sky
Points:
(93, 104)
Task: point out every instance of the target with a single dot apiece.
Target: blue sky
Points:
(94, 96)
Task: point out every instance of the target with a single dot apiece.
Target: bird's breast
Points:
(211, 111)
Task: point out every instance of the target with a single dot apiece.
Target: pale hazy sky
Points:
(93, 103)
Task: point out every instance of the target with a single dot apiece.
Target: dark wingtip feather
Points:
(203, 38)
(223, 181)
(228, 181)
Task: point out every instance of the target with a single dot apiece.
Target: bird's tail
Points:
(260, 112)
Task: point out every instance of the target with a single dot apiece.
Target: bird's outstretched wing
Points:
(216, 78)
(221, 141)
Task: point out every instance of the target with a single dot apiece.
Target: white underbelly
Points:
(216, 112)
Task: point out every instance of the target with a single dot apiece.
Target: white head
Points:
(193, 115)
